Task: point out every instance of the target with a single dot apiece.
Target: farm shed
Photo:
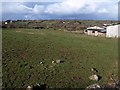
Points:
(95, 31)
(113, 31)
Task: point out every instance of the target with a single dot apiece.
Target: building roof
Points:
(95, 27)
(115, 26)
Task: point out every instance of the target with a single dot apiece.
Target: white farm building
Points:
(113, 31)
(95, 31)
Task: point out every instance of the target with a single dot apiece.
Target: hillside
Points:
(71, 25)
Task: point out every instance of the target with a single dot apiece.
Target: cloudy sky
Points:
(59, 9)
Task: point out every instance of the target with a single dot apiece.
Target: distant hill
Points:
(71, 25)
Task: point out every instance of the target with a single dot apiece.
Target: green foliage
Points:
(71, 25)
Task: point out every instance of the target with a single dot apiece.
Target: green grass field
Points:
(25, 49)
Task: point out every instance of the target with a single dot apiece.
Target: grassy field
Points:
(25, 49)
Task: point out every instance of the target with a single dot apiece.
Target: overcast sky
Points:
(60, 9)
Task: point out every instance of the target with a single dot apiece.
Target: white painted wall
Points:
(96, 33)
(113, 31)
(90, 32)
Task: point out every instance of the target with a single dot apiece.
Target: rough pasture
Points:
(28, 55)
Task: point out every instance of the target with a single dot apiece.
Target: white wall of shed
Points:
(113, 31)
